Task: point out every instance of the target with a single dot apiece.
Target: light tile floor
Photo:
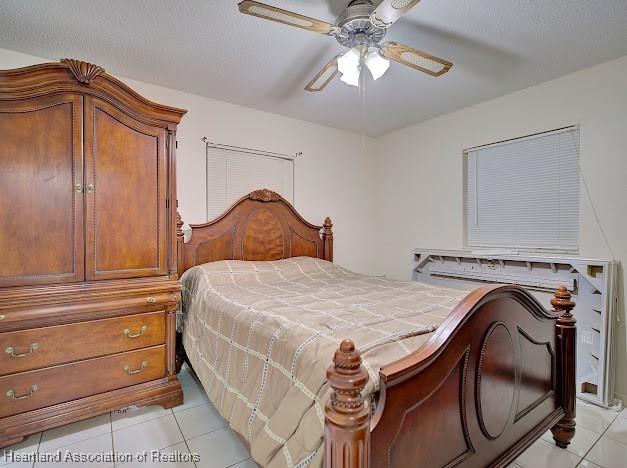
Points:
(197, 428)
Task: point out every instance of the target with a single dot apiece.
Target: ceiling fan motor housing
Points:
(355, 26)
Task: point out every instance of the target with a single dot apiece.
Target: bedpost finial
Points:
(566, 329)
(563, 304)
(179, 225)
(328, 227)
(327, 237)
(347, 421)
(180, 245)
(347, 346)
(347, 357)
(348, 378)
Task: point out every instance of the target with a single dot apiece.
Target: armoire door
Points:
(41, 199)
(126, 186)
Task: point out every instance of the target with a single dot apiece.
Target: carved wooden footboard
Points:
(498, 373)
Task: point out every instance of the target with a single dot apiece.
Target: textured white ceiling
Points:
(207, 47)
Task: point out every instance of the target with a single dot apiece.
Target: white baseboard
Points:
(622, 397)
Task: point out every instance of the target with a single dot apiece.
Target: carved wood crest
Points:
(84, 72)
(179, 225)
(264, 195)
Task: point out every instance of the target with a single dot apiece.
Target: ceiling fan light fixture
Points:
(348, 63)
(349, 66)
(376, 64)
(359, 27)
(351, 78)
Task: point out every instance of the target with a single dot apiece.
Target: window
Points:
(524, 193)
(234, 172)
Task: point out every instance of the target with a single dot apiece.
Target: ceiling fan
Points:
(360, 27)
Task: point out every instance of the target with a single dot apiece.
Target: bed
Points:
(416, 375)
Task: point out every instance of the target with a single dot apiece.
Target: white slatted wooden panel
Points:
(524, 194)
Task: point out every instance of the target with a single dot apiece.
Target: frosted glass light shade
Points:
(349, 62)
(349, 67)
(376, 64)
(351, 78)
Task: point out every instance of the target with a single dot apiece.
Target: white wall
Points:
(334, 176)
(420, 180)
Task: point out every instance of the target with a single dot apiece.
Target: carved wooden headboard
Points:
(260, 226)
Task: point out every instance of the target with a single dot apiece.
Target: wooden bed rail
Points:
(493, 379)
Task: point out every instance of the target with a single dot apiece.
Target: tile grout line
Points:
(208, 402)
(41, 436)
(582, 458)
(179, 426)
(210, 432)
(111, 431)
(112, 442)
(242, 461)
(141, 422)
(71, 443)
(227, 426)
(597, 441)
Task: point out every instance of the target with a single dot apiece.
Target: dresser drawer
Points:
(44, 387)
(48, 346)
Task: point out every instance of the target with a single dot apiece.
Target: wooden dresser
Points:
(88, 282)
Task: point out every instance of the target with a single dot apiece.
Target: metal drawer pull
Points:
(130, 371)
(11, 351)
(2, 316)
(11, 393)
(151, 300)
(142, 330)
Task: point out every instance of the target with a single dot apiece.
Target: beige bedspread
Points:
(261, 335)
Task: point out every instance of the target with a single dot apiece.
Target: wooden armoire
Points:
(88, 282)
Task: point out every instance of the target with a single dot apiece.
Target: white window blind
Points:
(231, 174)
(524, 193)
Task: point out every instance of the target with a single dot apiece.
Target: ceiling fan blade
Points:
(271, 13)
(417, 59)
(324, 76)
(389, 11)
